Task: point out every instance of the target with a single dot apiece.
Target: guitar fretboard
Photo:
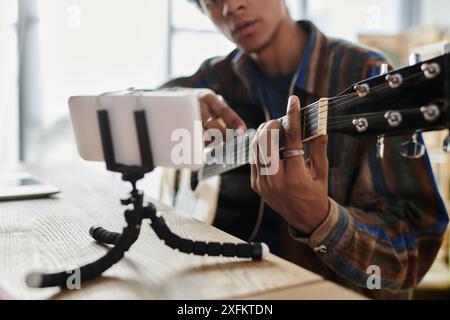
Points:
(228, 157)
(236, 153)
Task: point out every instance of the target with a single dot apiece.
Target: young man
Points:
(347, 212)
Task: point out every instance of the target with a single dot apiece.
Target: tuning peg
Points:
(361, 124)
(362, 89)
(413, 149)
(447, 144)
(394, 80)
(414, 59)
(431, 112)
(394, 118)
(380, 147)
(431, 70)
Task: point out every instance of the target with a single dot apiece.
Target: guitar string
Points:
(352, 116)
(316, 121)
(341, 97)
(345, 119)
(309, 121)
(337, 124)
(217, 168)
(376, 89)
(214, 169)
(243, 154)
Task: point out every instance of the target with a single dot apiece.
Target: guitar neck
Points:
(236, 153)
(403, 101)
(228, 157)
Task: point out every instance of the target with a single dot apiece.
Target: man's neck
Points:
(282, 56)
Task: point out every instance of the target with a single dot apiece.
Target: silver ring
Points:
(294, 153)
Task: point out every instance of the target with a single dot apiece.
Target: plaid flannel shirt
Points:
(386, 213)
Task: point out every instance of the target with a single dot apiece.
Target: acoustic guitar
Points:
(406, 101)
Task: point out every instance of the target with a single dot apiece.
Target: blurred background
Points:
(50, 50)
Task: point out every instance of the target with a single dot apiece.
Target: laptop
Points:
(21, 186)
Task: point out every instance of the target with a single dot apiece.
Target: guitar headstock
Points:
(408, 100)
(405, 101)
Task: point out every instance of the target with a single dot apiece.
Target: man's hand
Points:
(299, 190)
(217, 114)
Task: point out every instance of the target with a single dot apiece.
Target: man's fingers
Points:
(271, 140)
(269, 148)
(256, 146)
(220, 109)
(294, 127)
(293, 132)
(266, 164)
(209, 121)
(319, 158)
(254, 161)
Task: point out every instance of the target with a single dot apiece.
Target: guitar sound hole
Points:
(194, 181)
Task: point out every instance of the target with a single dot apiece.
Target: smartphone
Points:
(19, 186)
(167, 113)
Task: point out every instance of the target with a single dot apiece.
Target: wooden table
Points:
(52, 235)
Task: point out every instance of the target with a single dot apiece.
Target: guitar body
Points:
(199, 201)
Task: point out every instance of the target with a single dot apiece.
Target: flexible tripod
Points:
(122, 242)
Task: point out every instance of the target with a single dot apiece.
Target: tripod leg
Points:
(254, 251)
(104, 236)
(92, 270)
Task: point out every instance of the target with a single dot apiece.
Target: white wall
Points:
(89, 47)
(8, 83)
(346, 19)
(436, 12)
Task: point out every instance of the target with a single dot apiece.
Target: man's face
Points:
(250, 24)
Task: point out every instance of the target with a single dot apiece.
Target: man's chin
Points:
(253, 47)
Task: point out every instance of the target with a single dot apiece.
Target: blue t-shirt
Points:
(274, 93)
